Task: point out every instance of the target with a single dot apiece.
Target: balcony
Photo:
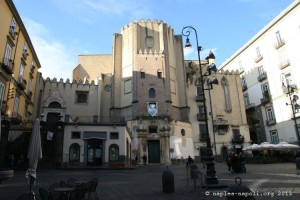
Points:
(221, 122)
(3, 107)
(262, 77)
(12, 32)
(249, 106)
(279, 44)
(201, 117)
(270, 122)
(199, 98)
(16, 118)
(283, 64)
(8, 65)
(266, 99)
(238, 139)
(258, 59)
(29, 95)
(221, 126)
(22, 84)
(244, 87)
(25, 54)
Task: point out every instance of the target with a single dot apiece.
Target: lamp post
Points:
(210, 178)
(290, 90)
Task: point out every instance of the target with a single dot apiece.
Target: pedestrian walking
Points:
(136, 160)
(189, 161)
(241, 160)
(229, 162)
(144, 159)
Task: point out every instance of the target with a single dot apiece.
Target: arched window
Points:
(151, 93)
(54, 104)
(113, 152)
(226, 91)
(74, 153)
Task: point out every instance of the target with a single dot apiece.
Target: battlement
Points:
(80, 82)
(148, 21)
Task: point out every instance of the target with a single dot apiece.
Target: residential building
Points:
(19, 67)
(268, 63)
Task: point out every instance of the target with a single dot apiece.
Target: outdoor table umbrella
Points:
(286, 146)
(34, 153)
(252, 147)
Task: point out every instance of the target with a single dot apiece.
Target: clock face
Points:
(149, 41)
(107, 88)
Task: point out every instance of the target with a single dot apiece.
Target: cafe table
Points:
(65, 190)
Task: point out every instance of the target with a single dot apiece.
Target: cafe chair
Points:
(44, 194)
(27, 196)
(56, 195)
(71, 182)
(77, 194)
(92, 188)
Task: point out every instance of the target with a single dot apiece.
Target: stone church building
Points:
(142, 100)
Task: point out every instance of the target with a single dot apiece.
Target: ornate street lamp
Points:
(290, 90)
(210, 179)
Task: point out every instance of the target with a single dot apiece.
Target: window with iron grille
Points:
(82, 96)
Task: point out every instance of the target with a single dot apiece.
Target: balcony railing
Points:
(16, 117)
(262, 77)
(22, 84)
(201, 117)
(283, 64)
(199, 98)
(279, 44)
(221, 122)
(270, 122)
(8, 65)
(249, 106)
(257, 59)
(266, 99)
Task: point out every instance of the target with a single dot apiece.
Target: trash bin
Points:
(239, 192)
(168, 181)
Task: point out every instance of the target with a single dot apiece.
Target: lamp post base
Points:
(211, 179)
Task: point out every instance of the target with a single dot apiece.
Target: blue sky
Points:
(63, 29)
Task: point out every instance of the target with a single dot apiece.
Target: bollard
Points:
(239, 192)
(168, 181)
(297, 162)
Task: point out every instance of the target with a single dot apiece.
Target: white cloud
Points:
(87, 9)
(191, 53)
(57, 60)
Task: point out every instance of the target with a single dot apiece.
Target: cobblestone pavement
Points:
(267, 181)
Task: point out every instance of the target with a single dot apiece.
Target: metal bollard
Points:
(168, 181)
(239, 192)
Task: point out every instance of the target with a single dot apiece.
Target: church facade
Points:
(142, 100)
